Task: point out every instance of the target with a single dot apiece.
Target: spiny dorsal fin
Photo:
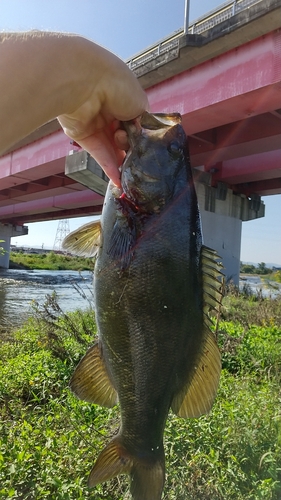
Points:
(90, 380)
(198, 395)
(85, 240)
(213, 280)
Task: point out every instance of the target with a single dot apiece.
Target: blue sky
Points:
(126, 27)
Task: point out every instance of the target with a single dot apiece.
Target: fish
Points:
(155, 288)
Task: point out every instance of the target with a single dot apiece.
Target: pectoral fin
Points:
(197, 396)
(122, 241)
(85, 240)
(90, 381)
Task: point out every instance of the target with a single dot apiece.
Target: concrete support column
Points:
(7, 231)
(222, 213)
(223, 234)
(5, 234)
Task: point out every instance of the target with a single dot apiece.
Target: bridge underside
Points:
(231, 112)
(230, 106)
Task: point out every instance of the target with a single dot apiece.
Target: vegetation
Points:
(2, 251)
(60, 261)
(262, 270)
(51, 261)
(49, 440)
(251, 269)
(276, 276)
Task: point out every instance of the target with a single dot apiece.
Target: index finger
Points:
(105, 153)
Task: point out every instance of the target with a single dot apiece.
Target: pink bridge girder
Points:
(231, 111)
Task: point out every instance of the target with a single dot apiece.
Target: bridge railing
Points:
(224, 12)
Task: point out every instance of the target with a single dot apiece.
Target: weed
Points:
(248, 308)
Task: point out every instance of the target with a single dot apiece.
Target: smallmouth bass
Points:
(154, 285)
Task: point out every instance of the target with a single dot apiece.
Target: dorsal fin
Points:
(198, 394)
(85, 240)
(213, 282)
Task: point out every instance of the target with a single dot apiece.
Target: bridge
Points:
(223, 75)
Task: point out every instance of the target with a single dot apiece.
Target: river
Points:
(260, 286)
(19, 288)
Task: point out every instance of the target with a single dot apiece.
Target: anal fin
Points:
(90, 380)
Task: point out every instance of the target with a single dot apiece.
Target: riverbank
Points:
(50, 261)
(50, 439)
(20, 289)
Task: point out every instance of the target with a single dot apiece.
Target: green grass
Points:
(49, 440)
(51, 261)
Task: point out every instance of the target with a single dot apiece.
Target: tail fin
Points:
(147, 480)
(147, 476)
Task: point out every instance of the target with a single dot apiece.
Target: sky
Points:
(127, 27)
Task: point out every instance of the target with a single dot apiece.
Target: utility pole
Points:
(186, 16)
(62, 231)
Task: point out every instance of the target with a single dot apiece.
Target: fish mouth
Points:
(159, 121)
(150, 122)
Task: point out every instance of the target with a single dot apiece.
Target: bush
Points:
(250, 309)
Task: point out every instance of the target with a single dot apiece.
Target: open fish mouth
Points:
(148, 124)
(150, 121)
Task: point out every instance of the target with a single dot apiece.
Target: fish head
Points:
(156, 159)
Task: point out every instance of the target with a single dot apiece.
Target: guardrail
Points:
(224, 12)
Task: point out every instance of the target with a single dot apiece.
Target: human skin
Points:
(48, 75)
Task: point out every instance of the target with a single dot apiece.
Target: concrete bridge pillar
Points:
(7, 231)
(222, 214)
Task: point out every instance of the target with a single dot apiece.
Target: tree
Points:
(262, 269)
(248, 269)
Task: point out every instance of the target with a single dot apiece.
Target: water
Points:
(18, 288)
(260, 286)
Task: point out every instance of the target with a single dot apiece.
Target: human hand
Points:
(113, 95)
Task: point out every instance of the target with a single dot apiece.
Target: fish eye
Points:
(174, 148)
